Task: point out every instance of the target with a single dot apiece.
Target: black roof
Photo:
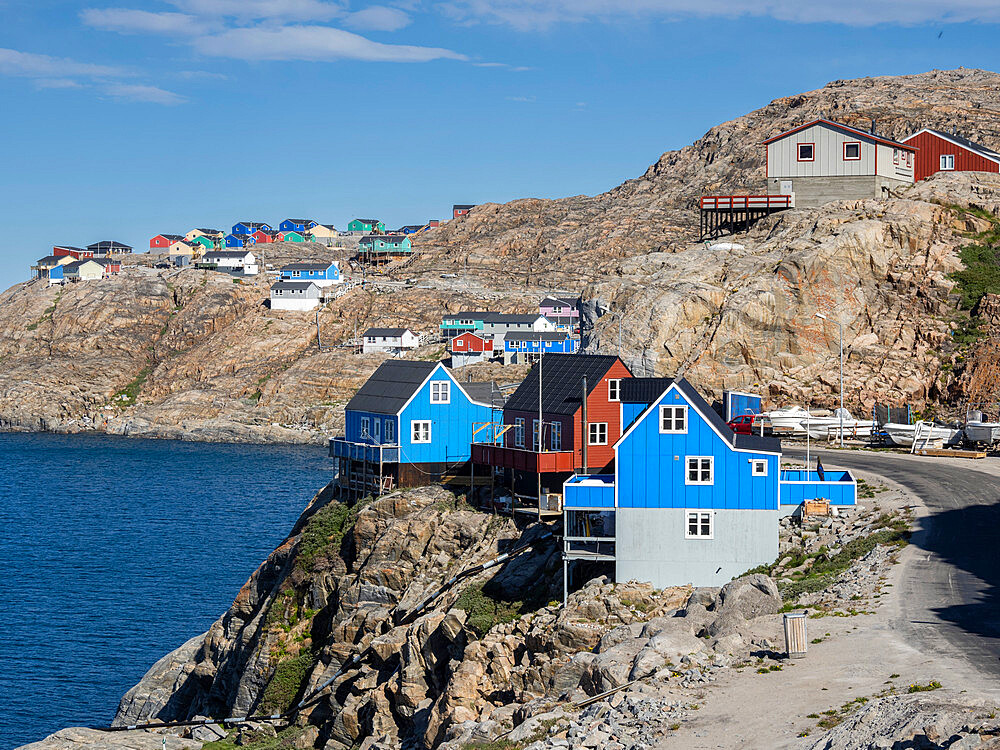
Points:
(561, 382)
(485, 393)
(209, 231)
(301, 221)
(109, 244)
(535, 336)
(391, 386)
(385, 331)
(68, 247)
(369, 221)
(387, 237)
(511, 317)
(50, 259)
(227, 253)
(643, 390)
(648, 390)
(174, 237)
(254, 224)
(293, 285)
(464, 205)
(966, 143)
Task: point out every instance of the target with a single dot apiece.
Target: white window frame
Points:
(699, 482)
(673, 420)
(390, 431)
(945, 160)
(798, 151)
(758, 467)
(440, 391)
(601, 438)
(420, 431)
(852, 143)
(377, 430)
(366, 427)
(555, 436)
(536, 435)
(699, 516)
(519, 432)
(614, 389)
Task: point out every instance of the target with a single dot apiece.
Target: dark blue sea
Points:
(116, 551)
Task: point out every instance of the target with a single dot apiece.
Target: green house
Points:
(206, 242)
(292, 236)
(366, 225)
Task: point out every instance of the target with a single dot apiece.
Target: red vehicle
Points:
(747, 424)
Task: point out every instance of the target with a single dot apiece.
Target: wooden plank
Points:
(951, 452)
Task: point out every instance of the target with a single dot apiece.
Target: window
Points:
(673, 419)
(852, 151)
(536, 443)
(948, 162)
(556, 436)
(440, 392)
(365, 427)
(421, 431)
(699, 525)
(390, 431)
(614, 389)
(758, 467)
(459, 344)
(895, 156)
(519, 432)
(700, 470)
(377, 434)
(598, 433)
(909, 159)
(296, 274)
(806, 152)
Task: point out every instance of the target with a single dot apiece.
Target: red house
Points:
(470, 342)
(164, 241)
(542, 455)
(947, 152)
(111, 266)
(461, 209)
(264, 236)
(61, 251)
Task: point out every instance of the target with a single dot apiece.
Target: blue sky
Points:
(125, 118)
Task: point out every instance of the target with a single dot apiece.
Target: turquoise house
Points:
(365, 225)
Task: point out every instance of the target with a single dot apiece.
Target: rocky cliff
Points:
(187, 353)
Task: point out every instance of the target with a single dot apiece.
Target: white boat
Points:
(789, 418)
(820, 428)
(983, 432)
(902, 434)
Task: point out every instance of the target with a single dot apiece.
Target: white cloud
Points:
(31, 65)
(377, 18)
(317, 43)
(57, 83)
(524, 99)
(202, 75)
(534, 14)
(249, 10)
(130, 21)
(140, 93)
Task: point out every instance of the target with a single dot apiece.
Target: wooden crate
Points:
(817, 507)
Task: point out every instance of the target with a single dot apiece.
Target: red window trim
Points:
(798, 150)
(852, 143)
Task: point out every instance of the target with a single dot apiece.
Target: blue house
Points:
(239, 240)
(323, 274)
(249, 227)
(839, 487)
(296, 225)
(410, 424)
(524, 346)
(689, 501)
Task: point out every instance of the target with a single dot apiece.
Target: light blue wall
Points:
(551, 347)
(577, 495)
(352, 425)
(738, 404)
(840, 488)
(630, 413)
(331, 274)
(451, 424)
(56, 272)
(651, 467)
(290, 226)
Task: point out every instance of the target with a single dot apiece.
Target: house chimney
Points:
(873, 126)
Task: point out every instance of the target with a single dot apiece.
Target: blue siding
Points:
(551, 347)
(578, 495)
(331, 274)
(630, 413)
(352, 426)
(295, 226)
(651, 467)
(451, 424)
(56, 272)
(738, 404)
(840, 487)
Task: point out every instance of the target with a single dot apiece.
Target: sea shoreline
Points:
(219, 433)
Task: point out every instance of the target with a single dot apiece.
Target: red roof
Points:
(846, 129)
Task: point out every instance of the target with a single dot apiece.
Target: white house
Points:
(83, 270)
(823, 161)
(295, 295)
(235, 262)
(392, 340)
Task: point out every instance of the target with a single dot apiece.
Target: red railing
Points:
(745, 202)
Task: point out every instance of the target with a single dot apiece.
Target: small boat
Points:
(788, 419)
(902, 434)
(830, 427)
(982, 432)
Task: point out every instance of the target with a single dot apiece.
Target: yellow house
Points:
(212, 234)
(323, 233)
(83, 270)
(183, 247)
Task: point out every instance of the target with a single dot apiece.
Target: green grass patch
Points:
(285, 740)
(286, 683)
(325, 531)
(917, 688)
(127, 396)
(486, 607)
(981, 274)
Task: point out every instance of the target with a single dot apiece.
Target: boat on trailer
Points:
(904, 434)
(987, 433)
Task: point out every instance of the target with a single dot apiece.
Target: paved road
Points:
(950, 597)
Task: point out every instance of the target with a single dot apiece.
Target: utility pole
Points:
(840, 325)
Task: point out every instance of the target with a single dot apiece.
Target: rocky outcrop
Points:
(78, 738)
